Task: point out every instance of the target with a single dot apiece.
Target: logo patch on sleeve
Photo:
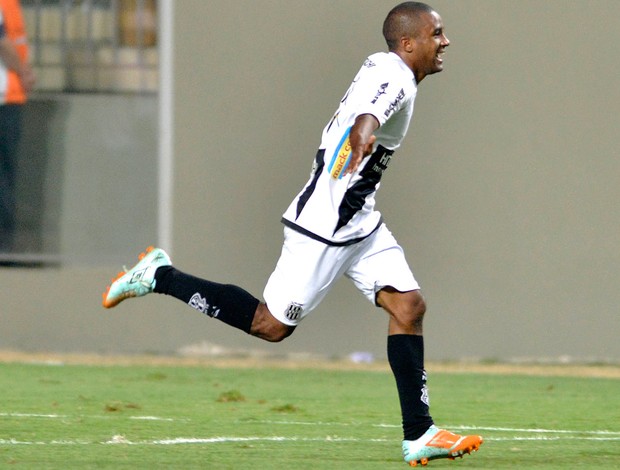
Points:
(294, 311)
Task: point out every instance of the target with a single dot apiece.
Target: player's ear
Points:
(406, 43)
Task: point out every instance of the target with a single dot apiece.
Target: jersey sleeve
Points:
(380, 93)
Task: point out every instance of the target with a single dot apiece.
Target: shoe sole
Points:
(468, 445)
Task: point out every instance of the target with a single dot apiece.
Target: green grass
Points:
(127, 417)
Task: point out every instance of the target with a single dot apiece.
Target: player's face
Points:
(429, 46)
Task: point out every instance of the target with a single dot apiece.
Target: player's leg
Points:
(384, 276)
(304, 274)
(423, 441)
(228, 303)
(405, 347)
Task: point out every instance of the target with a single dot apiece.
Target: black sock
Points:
(226, 302)
(406, 357)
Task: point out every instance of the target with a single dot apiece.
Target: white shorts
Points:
(307, 269)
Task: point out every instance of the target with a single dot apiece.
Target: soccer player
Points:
(332, 230)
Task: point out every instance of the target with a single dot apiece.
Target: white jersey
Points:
(339, 209)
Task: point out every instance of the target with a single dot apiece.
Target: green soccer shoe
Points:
(137, 281)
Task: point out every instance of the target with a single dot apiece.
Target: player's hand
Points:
(362, 140)
(358, 153)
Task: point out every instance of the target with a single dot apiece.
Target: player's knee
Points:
(407, 309)
(276, 331)
(418, 304)
(268, 328)
(418, 309)
(411, 311)
(280, 333)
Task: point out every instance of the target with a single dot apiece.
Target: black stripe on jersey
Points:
(319, 163)
(355, 197)
(318, 238)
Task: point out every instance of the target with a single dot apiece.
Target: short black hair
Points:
(401, 21)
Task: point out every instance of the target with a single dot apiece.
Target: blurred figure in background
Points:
(16, 81)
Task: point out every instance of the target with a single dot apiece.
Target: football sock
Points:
(228, 303)
(406, 358)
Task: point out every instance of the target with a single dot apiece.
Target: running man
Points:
(332, 230)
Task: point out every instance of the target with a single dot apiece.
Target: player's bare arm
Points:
(361, 139)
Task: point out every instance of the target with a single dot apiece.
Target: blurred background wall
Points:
(503, 194)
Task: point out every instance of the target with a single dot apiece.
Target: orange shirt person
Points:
(16, 81)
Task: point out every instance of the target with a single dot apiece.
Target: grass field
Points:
(55, 416)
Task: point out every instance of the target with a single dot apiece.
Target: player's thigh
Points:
(383, 264)
(304, 274)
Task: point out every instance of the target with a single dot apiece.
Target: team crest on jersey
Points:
(294, 311)
(341, 157)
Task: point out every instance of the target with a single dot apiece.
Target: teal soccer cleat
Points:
(137, 281)
(438, 444)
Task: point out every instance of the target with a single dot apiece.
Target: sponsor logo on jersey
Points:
(294, 311)
(394, 104)
(369, 63)
(380, 91)
(381, 165)
(341, 157)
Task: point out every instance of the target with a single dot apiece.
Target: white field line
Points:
(116, 440)
(532, 434)
(534, 430)
(54, 416)
(456, 428)
(30, 415)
